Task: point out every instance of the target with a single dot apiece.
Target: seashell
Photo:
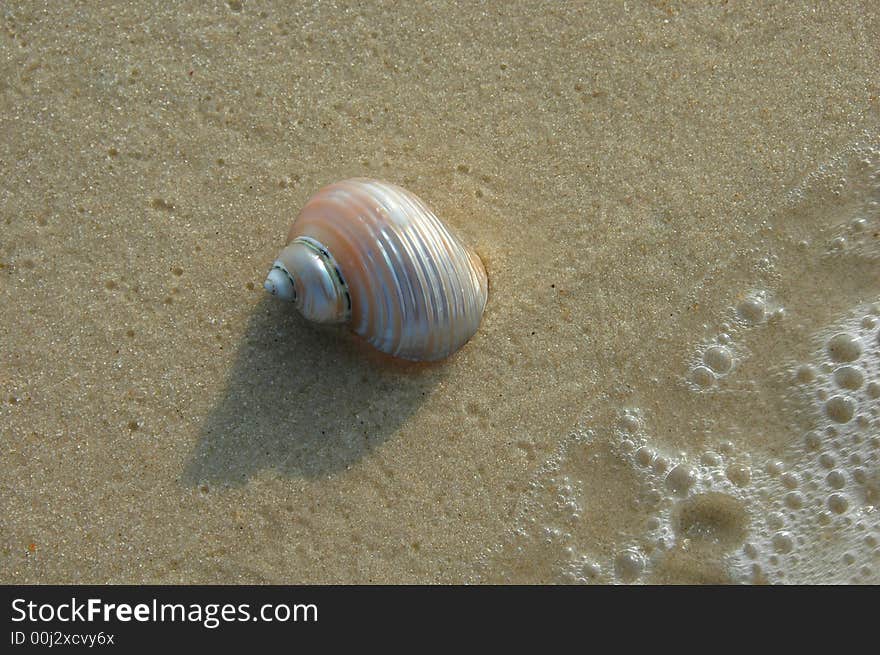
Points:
(371, 254)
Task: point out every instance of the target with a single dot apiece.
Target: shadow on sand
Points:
(303, 400)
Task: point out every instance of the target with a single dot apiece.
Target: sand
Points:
(644, 181)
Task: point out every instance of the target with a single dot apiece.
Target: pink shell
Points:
(416, 290)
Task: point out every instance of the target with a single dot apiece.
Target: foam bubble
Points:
(782, 542)
(660, 464)
(629, 565)
(835, 479)
(848, 377)
(711, 518)
(840, 408)
(591, 570)
(718, 358)
(629, 423)
(775, 520)
(644, 456)
(794, 500)
(680, 479)
(805, 374)
(844, 347)
(838, 503)
(703, 376)
(751, 310)
(790, 480)
(739, 475)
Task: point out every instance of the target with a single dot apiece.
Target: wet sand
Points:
(678, 209)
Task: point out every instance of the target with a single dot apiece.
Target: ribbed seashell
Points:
(373, 255)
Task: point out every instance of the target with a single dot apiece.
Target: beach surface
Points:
(677, 377)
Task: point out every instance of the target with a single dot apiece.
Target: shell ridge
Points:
(465, 289)
(392, 293)
(389, 291)
(409, 233)
(424, 232)
(445, 248)
(376, 308)
(413, 278)
(382, 321)
(425, 302)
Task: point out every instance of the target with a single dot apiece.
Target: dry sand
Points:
(643, 180)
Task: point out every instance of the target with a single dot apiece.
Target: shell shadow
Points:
(303, 401)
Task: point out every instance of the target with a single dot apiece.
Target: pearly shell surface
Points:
(373, 255)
